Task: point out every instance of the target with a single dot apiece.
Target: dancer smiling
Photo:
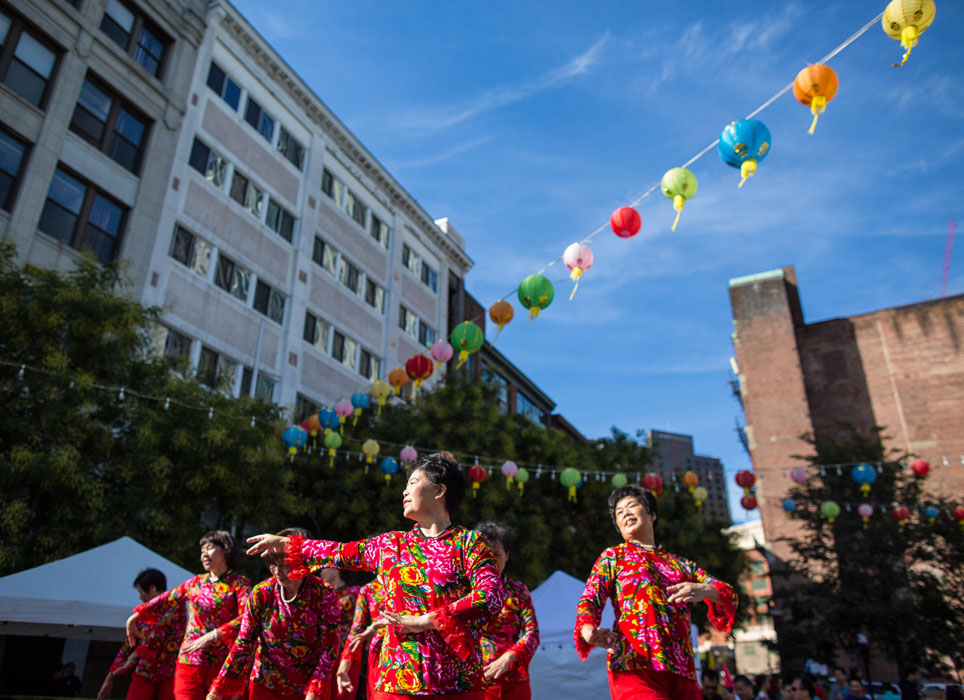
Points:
(441, 586)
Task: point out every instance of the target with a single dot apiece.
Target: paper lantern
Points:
(743, 144)
(748, 502)
(931, 513)
(419, 368)
(398, 378)
(381, 390)
(467, 338)
(653, 482)
(814, 87)
(343, 408)
(313, 427)
(920, 468)
(509, 470)
(799, 475)
(389, 466)
(570, 478)
(619, 480)
(901, 514)
(789, 505)
(959, 516)
(678, 184)
(700, 494)
(745, 479)
(501, 312)
(477, 474)
(408, 454)
(535, 293)
(441, 352)
(625, 222)
(371, 449)
(906, 20)
(865, 475)
(329, 419)
(865, 510)
(332, 442)
(578, 258)
(294, 437)
(691, 480)
(830, 510)
(521, 477)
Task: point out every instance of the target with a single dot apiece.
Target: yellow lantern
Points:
(381, 391)
(371, 450)
(906, 20)
(700, 494)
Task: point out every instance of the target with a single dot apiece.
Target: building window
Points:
(369, 366)
(269, 302)
(12, 159)
(232, 278)
(757, 567)
(136, 34)
(410, 259)
(227, 89)
(355, 209)
(191, 251)
(82, 216)
(304, 407)
(426, 334)
(325, 255)
(374, 296)
(207, 367)
(265, 388)
(208, 162)
(259, 119)
(280, 221)
(344, 349)
(759, 584)
(408, 322)
(316, 331)
(27, 62)
(349, 275)
(501, 386)
(379, 230)
(328, 183)
(289, 147)
(247, 194)
(110, 124)
(525, 407)
(169, 343)
(429, 277)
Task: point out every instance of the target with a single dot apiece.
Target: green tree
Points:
(899, 585)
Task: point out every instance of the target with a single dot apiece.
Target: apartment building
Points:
(675, 456)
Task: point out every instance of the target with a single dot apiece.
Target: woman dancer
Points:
(289, 634)
(210, 606)
(650, 652)
(347, 595)
(509, 640)
(366, 627)
(441, 587)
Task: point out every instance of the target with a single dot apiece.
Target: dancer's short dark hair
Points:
(151, 577)
(645, 496)
(741, 679)
(712, 674)
(806, 680)
(494, 531)
(440, 468)
(224, 540)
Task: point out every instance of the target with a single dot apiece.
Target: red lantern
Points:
(419, 368)
(746, 479)
(748, 502)
(654, 483)
(920, 468)
(477, 474)
(625, 223)
(959, 515)
(901, 514)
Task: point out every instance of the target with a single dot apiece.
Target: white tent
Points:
(555, 671)
(88, 595)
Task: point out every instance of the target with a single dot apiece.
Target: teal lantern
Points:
(743, 144)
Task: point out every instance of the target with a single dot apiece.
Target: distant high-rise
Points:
(675, 456)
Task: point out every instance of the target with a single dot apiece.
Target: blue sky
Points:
(528, 123)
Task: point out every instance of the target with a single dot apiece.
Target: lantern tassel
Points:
(501, 326)
(747, 170)
(381, 403)
(678, 202)
(908, 39)
(522, 488)
(331, 459)
(817, 105)
(357, 413)
(508, 483)
(475, 488)
(533, 314)
(576, 274)
(463, 356)
(572, 494)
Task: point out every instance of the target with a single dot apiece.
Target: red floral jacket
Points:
(371, 598)
(202, 604)
(156, 654)
(288, 648)
(515, 630)
(452, 575)
(649, 632)
(347, 596)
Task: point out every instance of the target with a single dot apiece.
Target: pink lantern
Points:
(865, 510)
(578, 258)
(408, 454)
(344, 408)
(509, 470)
(441, 352)
(799, 475)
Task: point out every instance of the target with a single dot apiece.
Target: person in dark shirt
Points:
(910, 687)
(711, 682)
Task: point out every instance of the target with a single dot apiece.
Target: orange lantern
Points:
(419, 368)
(814, 87)
(501, 312)
(691, 480)
(398, 378)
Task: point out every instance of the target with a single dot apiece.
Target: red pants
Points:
(518, 690)
(467, 695)
(371, 672)
(143, 689)
(647, 684)
(259, 692)
(192, 682)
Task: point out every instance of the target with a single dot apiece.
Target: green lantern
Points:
(535, 293)
(618, 481)
(332, 442)
(678, 184)
(830, 510)
(521, 477)
(570, 478)
(467, 338)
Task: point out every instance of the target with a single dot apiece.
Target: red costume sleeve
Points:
(228, 632)
(590, 607)
(123, 655)
(232, 680)
(304, 555)
(167, 605)
(721, 612)
(360, 621)
(528, 641)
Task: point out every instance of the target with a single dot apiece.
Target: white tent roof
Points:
(87, 595)
(555, 603)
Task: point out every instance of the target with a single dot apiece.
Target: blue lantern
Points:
(360, 401)
(743, 144)
(329, 419)
(931, 512)
(294, 437)
(865, 475)
(789, 505)
(389, 467)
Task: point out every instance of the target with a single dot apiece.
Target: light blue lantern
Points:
(329, 419)
(931, 512)
(389, 466)
(743, 144)
(360, 401)
(294, 437)
(789, 505)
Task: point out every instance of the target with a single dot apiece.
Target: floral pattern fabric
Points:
(367, 605)
(347, 597)
(649, 631)
(515, 629)
(157, 653)
(287, 648)
(452, 575)
(202, 603)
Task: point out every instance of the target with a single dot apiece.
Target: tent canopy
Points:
(87, 595)
(555, 603)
